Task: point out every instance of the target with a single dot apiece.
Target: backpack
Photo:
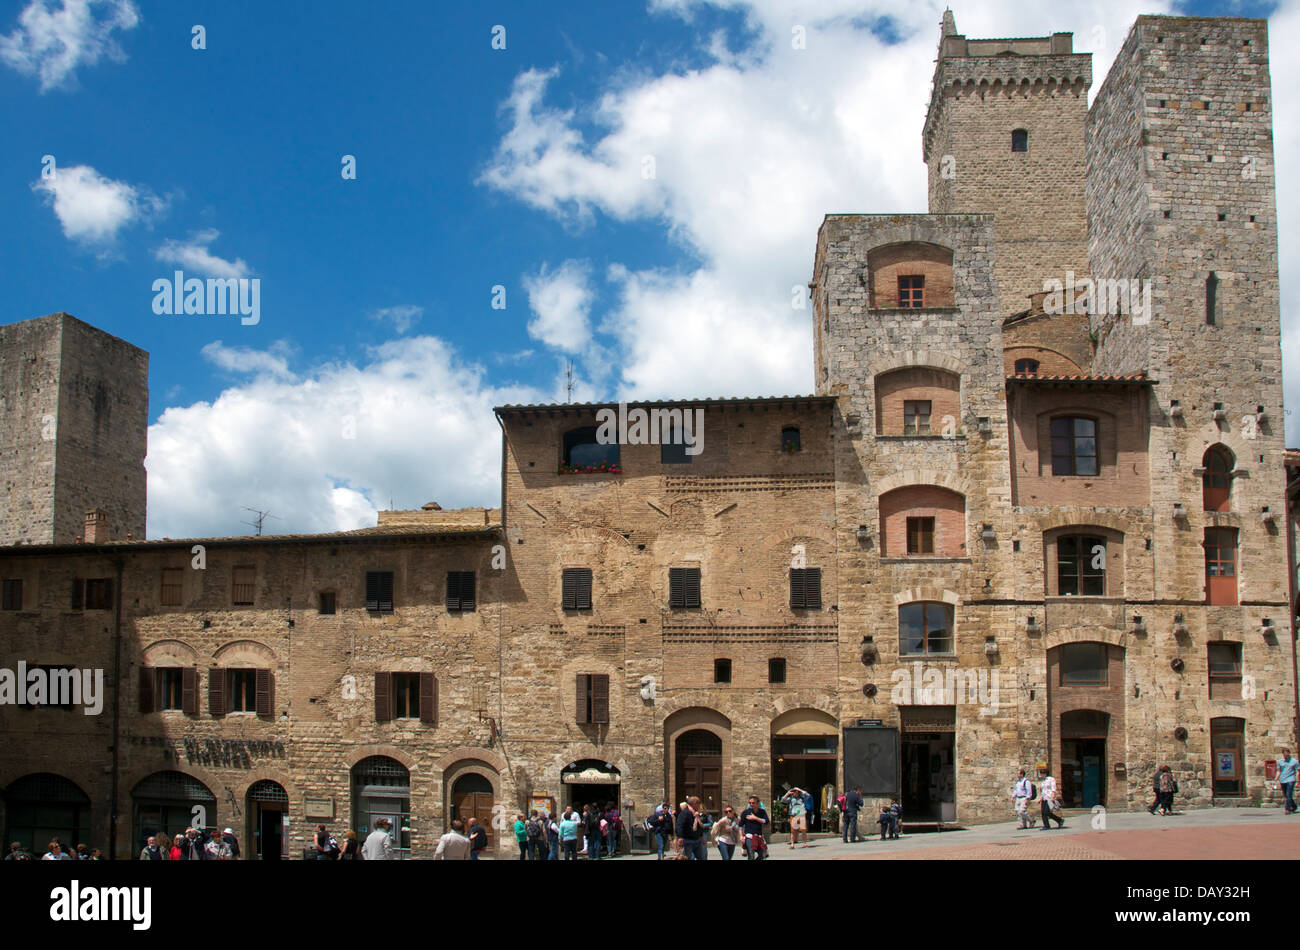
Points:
(1167, 782)
(593, 824)
(533, 829)
(1033, 791)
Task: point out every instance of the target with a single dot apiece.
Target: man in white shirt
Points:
(1021, 795)
(379, 844)
(1048, 793)
(454, 845)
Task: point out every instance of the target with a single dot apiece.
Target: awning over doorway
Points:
(591, 776)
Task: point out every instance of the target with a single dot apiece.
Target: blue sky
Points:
(378, 355)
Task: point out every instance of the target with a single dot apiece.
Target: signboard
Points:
(871, 759)
(317, 808)
(864, 723)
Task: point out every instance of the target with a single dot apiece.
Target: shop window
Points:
(1083, 664)
(1074, 446)
(925, 627)
(1225, 670)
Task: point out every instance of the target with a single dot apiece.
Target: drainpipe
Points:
(117, 707)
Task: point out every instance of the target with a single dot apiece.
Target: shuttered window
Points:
(95, 593)
(683, 587)
(173, 588)
(264, 693)
(460, 590)
(233, 691)
(190, 690)
(326, 602)
(383, 697)
(592, 698)
(243, 586)
(12, 597)
(576, 588)
(406, 696)
(806, 588)
(379, 590)
(216, 691)
(241, 690)
(428, 698)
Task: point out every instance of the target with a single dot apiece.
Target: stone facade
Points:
(991, 569)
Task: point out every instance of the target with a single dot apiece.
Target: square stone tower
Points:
(74, 417)
(1005, 136)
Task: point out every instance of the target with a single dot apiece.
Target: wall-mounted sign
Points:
(316, 808)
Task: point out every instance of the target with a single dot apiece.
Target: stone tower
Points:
(74, 416)
(1005, 136)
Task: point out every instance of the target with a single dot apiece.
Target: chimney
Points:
(96, 526)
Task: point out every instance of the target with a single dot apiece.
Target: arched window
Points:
(582, 450)
(1074, 446)
(1026, 367)
(925, 627)
(1020, 140)
(1216, 483)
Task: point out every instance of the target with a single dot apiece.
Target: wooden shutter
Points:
(78, 594)
(676, 587)
(428, 698)
(383, 697)
(379, 590)
(453, 590)
(797, 588)
(599, 698)
(812, 590)
(264, 693)
(584, 588)
(582, 699)
(216, 691)
(569, 589)
(190, 691)
(692, 587)
(467, 590)
(147, 676)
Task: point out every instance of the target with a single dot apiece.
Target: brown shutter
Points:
(569, 589)
(372, 590)
(265, 693)
(600, 698)
(467, 579)
(584, 588)
(78, 594)
(216, 691)
(453, 590)
(797, 586)
(190, 691)
(813, 588)
(383, 697)
(428, 698)
(582, 698)
(147, 675)
(676, 587)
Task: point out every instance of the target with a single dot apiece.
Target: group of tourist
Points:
(194, 845)
(54, 852)
(592, 832)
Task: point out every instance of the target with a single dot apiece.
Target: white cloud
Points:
(193, 255)
(243, 359)
(402, 317)
(561, 300)
(53, 43)
(91, 208)
(422, 429)
(749, 153)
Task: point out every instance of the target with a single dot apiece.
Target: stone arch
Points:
(914, 594)
(250, 652)
(596, 534)
(1061, 636)
(169, 653)
(1096, 519)
(470, 765)
(489, 758)
(691, 719)
(393, 752)
(793, 535)
(788, 708)
(949, 480)
(281, 778)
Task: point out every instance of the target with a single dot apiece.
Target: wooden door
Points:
(475, 805)
(701, 775)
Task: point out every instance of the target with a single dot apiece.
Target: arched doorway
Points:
(268, 821)
(168, 803)
(1083, 757)
(44, 806)
(381, 788)
(699, 768)
(590, 782)
(805, 754)
(472, 797)
(1216, 483)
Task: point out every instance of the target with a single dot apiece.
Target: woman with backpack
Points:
(1166, 788)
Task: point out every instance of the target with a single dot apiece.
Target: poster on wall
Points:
(1226, 765)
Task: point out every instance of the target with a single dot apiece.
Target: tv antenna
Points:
(568, 379)
(261, 519)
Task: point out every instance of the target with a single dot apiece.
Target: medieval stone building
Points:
(1034, 515)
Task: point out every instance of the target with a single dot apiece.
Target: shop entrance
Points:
(591, 782)
(806, 762)
(928, 778)
(268, 812)
(381, 788)
(1083, 758)
(166, 803)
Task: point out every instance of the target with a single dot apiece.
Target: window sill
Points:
(946, 308)
(929, 437)
(1106, 599)
(926, 559)
(904, 657)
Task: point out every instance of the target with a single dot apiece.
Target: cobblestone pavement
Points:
(1204, 834)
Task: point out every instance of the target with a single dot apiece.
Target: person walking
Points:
(1021, 795)
(798, 812)
(613, 824)
(351, 847)
(325, 845)
(752, 821)
(152, 851)
(852, 805)
(535, 831)
(552, 838)
(217, 849)
(1167, 788)
(228, 836)
(1286, 776)
(1155, 788)
(1051, 808)
(178, 849)
(454, 845)
(810, 812)
(690, 830)
(521, 836)
(591, 821)
(379, 843)
(661, 826)
(726, 833)
(478, 839)
(569, 826)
